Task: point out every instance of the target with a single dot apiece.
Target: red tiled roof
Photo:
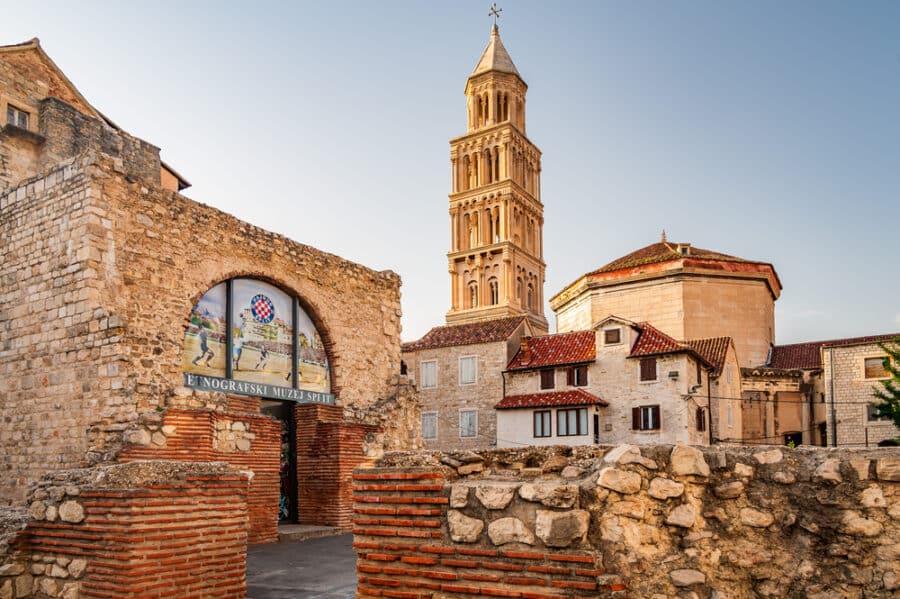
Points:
(574, 397)
(486, 331)
(555, 350)
(653, 342)
(808, 356)
(662, 252)
(713, 350)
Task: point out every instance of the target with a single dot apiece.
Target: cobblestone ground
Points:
(315, 569)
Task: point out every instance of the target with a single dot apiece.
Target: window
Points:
(699, 374)
(473, 294)
(16, 116)
(403, 368)
(495, 291)
(874, 368)
(429, 425)
(572, 422)
(468, 423)
(577, 376)
(548, 378)
(872, 415)
(468, 370)
(648, 369)
(612, 336)
(700, 419)
(542, 424)
(530, 300)
(645, 418)
(728, 373)
(729, 418)
(428, 374)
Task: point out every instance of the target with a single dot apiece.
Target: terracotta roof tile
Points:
(486, 331)
(651, 341)
(662, 252)
(713, 350)
(808, 356)
(555, 350)
(573, 397)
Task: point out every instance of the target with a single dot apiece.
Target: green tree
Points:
(889, 392)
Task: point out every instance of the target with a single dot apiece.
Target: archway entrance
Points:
(283, 412)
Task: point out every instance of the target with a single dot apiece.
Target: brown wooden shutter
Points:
(570, 377)
(656, 419)
(636, 418)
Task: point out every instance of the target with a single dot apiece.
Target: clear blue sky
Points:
(768, 129)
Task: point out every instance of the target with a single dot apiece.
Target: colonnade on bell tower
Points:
(496, 252)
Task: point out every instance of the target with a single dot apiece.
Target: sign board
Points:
(212, 383)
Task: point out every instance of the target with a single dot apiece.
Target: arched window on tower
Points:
(495, 291)
(529, 301)
(519, 289)
(466, 182)
(473, 294)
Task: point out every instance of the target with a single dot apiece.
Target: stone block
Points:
(620, 481)
(464, 529)
(686, 461)
(687, 578)
(509, 530)
(756, 518)
(550, 494)
(683, 516)
(495, 496)
(663, 488)
(561, 529)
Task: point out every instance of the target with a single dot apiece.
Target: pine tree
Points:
(889, 393)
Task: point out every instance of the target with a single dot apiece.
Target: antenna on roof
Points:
(663, 237)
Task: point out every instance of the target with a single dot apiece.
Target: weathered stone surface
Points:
(744, 470)
(829, 470)
(872, 497)
(495, 496)
(861, 467)
(620, 481)
(888, 469)
(70, 590)
(509, 530)
(687, 578)
(459, 496)
(784, 478)
(139, 436)
(462, 528)
(157, 438)
(554, 463)
(6, 589)
(13, 569)
(686, 460)
(77, 567)
(471, 468)
(773, 456)
(854, 524)
(729, 490)
(550, 494)
(628, 454)
(49, 586)
(562, 529)
(58, 571)
(630, 509)
(242, 444)
(683, 515)
(756, 518)
(664, 488)
(38, 510)
(71, 511)
(24, 585)
(571, 472)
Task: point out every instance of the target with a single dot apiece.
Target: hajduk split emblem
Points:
(262, 308)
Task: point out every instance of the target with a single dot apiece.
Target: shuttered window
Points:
(612, 336)
(468, 423)
(645, 418)
(548, 379)
(700, 418)
(648, 369)
(577, 376)
(468, 370)
(428, 374)
(429, 425)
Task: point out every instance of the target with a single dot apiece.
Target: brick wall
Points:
(135, 530)
(636, 521)
(403, 549)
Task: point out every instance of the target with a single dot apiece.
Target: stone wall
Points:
(151, 529)
(650, 522)
(849, 393)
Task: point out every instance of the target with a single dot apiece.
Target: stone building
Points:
(619, 382)
(688, 292)
(106, 315)
(496, 216)
(458, 374)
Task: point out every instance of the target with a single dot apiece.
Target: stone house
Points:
(458, 374)
(111, 281)
(620, 382)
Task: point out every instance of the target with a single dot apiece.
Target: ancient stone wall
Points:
(645, 522)
(151, 529)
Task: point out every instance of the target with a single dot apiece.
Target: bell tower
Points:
(496, 257)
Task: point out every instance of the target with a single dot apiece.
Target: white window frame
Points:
(867, 420)
(648, 410)
(29, 115)
(468, 410)
(475, 362)
(433, 414)
(421, 373)
(863, 369)
(621, 337)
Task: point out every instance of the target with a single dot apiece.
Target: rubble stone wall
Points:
(630, 521)
(151, 529)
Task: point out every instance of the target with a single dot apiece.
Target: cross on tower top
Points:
(495, 12)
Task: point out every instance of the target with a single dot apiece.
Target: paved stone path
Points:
(315, 569)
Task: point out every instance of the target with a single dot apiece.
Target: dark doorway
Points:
(793, 439)
(284, 413)
(823, 434)
(596, 429)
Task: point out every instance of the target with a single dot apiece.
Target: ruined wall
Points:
(150, 529)
(645, 522)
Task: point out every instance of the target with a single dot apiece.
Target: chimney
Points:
(524, 352)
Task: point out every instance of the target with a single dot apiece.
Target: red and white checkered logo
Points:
(262, 308)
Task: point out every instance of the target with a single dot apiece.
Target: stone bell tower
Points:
(496, 217)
